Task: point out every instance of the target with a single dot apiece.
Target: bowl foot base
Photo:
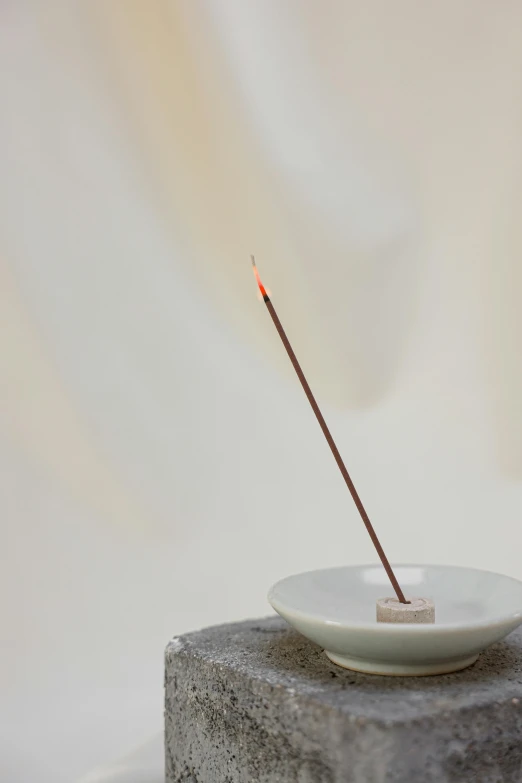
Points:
(401, 669)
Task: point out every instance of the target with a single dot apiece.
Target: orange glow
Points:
(262, 288)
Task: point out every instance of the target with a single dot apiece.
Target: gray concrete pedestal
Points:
(257, 702)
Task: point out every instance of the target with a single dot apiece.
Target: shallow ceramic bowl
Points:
(335, 608)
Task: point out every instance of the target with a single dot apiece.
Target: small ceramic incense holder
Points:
(335, 608)
(418, 610)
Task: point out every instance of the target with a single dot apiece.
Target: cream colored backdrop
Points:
(159, 465)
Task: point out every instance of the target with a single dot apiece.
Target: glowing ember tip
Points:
(262, 288)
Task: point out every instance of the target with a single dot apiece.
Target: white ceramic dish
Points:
(335, 608)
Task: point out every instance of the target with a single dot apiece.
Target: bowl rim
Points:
(395, 628)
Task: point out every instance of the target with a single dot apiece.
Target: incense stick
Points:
(327, 434)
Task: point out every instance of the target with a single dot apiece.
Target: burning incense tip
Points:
(262, 288)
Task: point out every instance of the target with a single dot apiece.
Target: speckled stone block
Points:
(257, 702)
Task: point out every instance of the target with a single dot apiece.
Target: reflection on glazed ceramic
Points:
(405, 576)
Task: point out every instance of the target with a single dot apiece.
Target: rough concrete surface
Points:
(256, 701)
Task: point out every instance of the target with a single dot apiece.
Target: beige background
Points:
(159, 466)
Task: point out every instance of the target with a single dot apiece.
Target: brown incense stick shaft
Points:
(334, 449)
